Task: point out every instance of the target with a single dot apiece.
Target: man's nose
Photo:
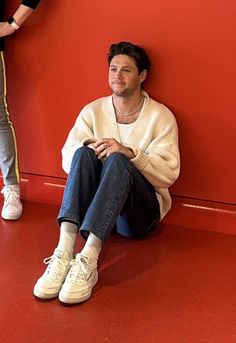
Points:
(119, 74)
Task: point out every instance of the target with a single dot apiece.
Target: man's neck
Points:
(127, 104)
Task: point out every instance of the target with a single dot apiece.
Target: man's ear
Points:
(143, 75)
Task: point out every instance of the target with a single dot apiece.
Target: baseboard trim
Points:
(185, 212)
(202, 215)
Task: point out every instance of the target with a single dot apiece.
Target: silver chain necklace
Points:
(129, 113)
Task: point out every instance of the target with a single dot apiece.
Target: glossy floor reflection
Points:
(176, 286)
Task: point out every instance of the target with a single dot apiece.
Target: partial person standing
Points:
(12, 207)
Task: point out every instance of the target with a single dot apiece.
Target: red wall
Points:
(57, 63)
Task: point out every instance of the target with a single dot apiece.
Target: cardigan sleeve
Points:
(80, 134)
(31, 3)
(160, 162)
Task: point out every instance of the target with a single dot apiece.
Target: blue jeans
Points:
(102, 196)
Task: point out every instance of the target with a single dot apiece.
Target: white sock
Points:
(93, 247)
(68, 235)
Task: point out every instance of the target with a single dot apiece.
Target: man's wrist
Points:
(131, 154)
(11, 21)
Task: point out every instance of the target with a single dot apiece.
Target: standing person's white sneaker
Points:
(12, 207)
(49, 284)
(80, 280)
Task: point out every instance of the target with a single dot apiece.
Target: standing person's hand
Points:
(108, 146)
(6, 29)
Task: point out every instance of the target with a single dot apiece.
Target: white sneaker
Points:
(80, 280)
(49, 284)
(12, 207)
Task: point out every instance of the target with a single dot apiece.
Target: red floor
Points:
(177, 286)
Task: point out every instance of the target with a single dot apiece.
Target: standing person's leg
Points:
(82, 183)
(120, 183)
(12, 208)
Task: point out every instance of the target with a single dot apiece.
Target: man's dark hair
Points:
(126, 48)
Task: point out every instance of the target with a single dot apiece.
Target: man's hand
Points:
(107, 146)
(6, 29)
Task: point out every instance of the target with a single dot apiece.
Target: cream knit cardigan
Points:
(153, 139)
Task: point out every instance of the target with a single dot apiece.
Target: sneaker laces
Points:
(56, 267)
(11, 194)
(80, 270)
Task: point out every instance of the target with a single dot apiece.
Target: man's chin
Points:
(119, 92)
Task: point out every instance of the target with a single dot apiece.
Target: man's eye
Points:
(113, 69)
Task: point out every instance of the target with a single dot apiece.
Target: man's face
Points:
(124, 77)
